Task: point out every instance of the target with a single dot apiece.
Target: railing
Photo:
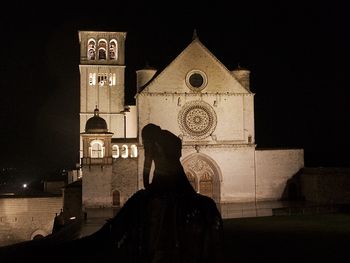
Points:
(96, 161)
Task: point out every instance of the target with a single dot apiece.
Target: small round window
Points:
(196, 80)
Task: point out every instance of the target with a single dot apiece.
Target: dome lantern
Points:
(96, 124)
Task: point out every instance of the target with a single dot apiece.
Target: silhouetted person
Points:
(164, 149)
(177, 217)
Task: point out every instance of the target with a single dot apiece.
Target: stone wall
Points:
(124, 178)
(97, 186)
(326, 185)
(22, 218)
(234, 114)
(274, 167)
(236, 166)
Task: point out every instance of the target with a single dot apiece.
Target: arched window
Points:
(91, 50)
(133, 149)
(92, 79)
(113, 49)
(125, 151)
(102, 46)
(192, 179)
(206, 184)
(102, 79)
(112, 79)
(96, 149)
(115, 151)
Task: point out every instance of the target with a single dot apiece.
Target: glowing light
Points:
(115, 151)
(97, 149)
(133, 151)
(125, 151)
(24, 185)
(92, 79)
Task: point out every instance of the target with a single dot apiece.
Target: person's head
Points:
(150, 133)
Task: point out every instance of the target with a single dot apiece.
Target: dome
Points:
(96, 124)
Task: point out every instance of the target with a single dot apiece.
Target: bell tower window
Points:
(102, 79)
(92, 79)
(112, 79)
(102, 46)
(113, 49)
(91, 50)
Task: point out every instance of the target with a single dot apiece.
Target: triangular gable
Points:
(195, 57)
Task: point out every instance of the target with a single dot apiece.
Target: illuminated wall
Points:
(198, 99)
(273, 169)
(211, 108)
(97, 186)
(22, 218)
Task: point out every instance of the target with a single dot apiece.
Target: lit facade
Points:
(195, 97)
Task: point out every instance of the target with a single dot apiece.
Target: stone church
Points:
(197, 98)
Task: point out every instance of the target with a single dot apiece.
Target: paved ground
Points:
(251, 209)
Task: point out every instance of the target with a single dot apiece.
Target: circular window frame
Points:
(184, 127)
(203, 75)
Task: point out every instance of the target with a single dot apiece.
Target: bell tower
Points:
(102, 79)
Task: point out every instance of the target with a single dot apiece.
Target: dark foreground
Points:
(299, 238)
(151, 227)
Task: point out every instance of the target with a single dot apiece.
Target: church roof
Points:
(195, 57)
(96, 124)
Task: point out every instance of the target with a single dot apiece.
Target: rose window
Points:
(197, 119)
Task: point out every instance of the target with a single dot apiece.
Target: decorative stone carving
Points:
(198, 166)
(197, 119)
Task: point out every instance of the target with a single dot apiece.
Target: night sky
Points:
(297, 54)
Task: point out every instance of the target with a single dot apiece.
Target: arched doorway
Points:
(38, 234)
(204, 174)
(116, 198)
(192, 178)
(206, 184)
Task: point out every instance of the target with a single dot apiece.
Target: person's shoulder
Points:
(170, 137)
(171, 144)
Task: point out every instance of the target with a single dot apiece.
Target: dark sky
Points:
(297, 54)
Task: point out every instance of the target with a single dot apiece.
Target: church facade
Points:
(208, 106)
